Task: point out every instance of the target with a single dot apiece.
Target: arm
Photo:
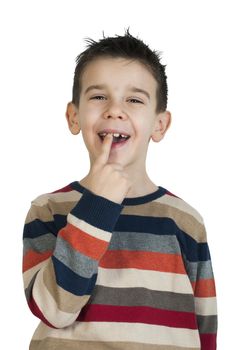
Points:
(199, 269)
(60, 268)
(205, 299)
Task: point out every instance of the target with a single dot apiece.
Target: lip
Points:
(117, 145)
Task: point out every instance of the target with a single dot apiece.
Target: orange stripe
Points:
(32, 258)
(143, 260)
(204, 288)
(83, 242)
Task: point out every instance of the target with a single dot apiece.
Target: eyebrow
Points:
(102, 86)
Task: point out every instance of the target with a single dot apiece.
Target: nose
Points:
(114, 110)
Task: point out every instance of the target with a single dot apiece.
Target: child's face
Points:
(115, 104)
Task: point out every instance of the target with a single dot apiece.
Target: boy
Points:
(113, 261)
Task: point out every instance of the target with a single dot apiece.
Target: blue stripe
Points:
(38, 228)
(193, 250)
(129, 223)
(70, 281)
(146, 224)
(60, 221)
(97, 210)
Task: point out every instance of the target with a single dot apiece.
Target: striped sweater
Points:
(133, 276)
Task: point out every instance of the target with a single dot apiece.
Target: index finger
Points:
(106, 147)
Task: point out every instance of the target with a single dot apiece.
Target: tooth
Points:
(103, 134)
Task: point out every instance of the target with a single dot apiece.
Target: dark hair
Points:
(127, 47)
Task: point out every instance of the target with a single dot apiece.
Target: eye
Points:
(98, 97)
(136, 101)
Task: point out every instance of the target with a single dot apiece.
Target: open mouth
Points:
(117, 138)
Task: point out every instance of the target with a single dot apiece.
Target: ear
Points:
(72, 118)
(161, 125)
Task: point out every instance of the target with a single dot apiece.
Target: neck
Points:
(142, 185)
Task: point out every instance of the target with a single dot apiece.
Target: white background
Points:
(196, 160)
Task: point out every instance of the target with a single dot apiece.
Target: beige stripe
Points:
(206, 306)
(89, 229)
(186, 217)
(181, 205)
(57, 197)
(63, 208)
(62, 344)
(185, 221)
(65, 300)
(36, 212)
(45, 205)
(126, 332)
(48, 306)
(29, 274)
(155, 280)
(45, 212)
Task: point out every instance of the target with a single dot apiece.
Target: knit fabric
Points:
(131, 276)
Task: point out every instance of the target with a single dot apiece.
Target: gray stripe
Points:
(204, 270)
(144, 241)
(77, 262)
(207, 324)
(198, 270)
(28, 290)
(40, 244)
(142, 297)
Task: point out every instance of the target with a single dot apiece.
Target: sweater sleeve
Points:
(60, 268)
(199, 269)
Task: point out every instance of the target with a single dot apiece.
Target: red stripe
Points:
(83, 242)
(37, 312)
(67, 188)
(33, 258)
(118, 259)
(204, 288)
(172, 194)
(137, 314)
(208, 341)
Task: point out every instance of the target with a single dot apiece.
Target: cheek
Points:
(89, 132)
(88, 110)
(95, 106)
(88, 118)
(143, 128)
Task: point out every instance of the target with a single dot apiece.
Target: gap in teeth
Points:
(114, 134)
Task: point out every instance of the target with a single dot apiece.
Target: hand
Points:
(108, 180)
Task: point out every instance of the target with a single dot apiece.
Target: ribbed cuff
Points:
(98, 211)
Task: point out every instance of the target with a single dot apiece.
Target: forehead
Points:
(118, 73)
